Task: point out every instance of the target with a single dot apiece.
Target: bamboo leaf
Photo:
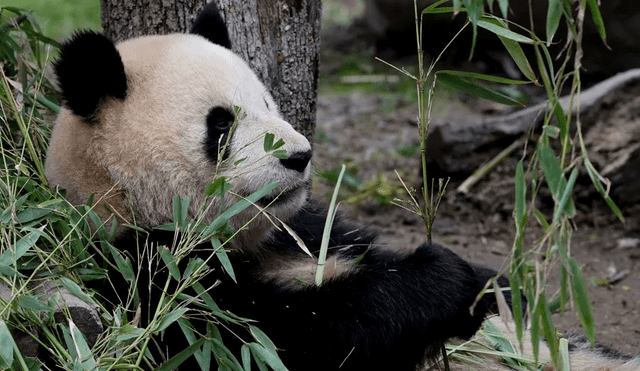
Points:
(76, 290)
(504, 8)
(517, 54)
(30, 302)
(480, 76)
(280, 154)
(581, 299)
(500, 30)
(565, 204)
(554, 13)
(564, 354)
(268, 142)
(593, 174)
(245, 354)
(597, 19)
(474, 89)
(433, 8)
(221, 254)
(521, 196)
(12, 254)
(270, 359)
(516, 302)
(239, 206)
(7, 344)
(170, 261)
(548, 328)
(82, 349)
(170, 318)
(278, 144)
(124, 264)
(326, 234)
(179, 358)
(551, 169)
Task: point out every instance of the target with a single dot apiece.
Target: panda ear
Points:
(90, 70)
(210, 25)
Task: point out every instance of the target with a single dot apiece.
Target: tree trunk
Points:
(278, 38)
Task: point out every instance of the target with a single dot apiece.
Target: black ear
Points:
(211, 26)
(90, 70)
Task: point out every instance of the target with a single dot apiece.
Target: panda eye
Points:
(220, 119)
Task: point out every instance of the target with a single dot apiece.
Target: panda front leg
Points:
(388, 313)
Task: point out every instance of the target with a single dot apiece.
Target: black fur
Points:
(219, 123)
(211, 26)
(388, 316)
(89, 71)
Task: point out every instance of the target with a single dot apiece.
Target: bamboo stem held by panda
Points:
(326, 234)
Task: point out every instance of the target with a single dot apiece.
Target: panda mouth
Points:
(282, 196)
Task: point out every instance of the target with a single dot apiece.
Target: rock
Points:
(84, 315)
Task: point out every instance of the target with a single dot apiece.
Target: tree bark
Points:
(279, 39)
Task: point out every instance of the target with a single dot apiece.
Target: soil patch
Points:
(352, 129)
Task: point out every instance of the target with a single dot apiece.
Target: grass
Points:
(60, 18)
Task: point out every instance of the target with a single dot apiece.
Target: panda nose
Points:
(297, 161)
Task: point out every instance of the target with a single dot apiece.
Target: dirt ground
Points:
(366, 130)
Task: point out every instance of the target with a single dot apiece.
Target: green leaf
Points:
(564, 354)
(564, 205)
(597, 19)
(480, 76)
(272, 360)
(221, 254)
(30, 302)
(7, 345)
(434, 8)
(218, 187)
(581, 299)
(23, 245)
(468, 87)
(554, 13)
(280, 154)
(326, 234)
(170, 318)
(170, 261)
(521, 196)
(76, 290)
(504, 8)
(593, 174)
(268, 142)
(180, 211)
(32, 214)
(81, 347)
(263, 339)
(245, 353)
(517, 54)
(179, 358)
(551, 169)
(238, 207)
(278, 144)
(500, 30)
(124, 264)
(203, 357)
(548, 328)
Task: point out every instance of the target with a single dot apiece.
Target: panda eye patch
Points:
(220, 118)
(219, 122)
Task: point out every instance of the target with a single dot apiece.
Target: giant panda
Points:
(147, 119)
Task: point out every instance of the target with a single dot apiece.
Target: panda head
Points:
(144, 120)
